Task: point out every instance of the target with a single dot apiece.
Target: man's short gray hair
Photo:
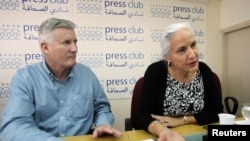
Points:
(50, 24)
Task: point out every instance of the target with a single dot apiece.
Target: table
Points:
(90, 138)
(190, 132)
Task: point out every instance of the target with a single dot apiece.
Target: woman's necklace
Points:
(183, 77)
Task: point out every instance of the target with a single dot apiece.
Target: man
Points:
(58, 96)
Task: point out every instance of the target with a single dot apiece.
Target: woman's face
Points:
(183, 53)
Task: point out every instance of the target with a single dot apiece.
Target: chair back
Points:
(217, 81)
(135, 99)
(227, 99)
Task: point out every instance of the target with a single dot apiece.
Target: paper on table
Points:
(193, 137)
(242, 122)
(148, 140)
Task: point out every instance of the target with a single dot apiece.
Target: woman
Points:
(179, 89)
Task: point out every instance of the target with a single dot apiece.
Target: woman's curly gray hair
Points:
(168, 34)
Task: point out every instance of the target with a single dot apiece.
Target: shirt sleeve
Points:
(102, 110)
(17, 117)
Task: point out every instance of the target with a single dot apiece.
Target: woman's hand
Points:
(163, 132)
(169, 121)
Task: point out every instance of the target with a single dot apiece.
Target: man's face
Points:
(62, 50)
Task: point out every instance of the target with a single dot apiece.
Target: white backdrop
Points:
(117, 39)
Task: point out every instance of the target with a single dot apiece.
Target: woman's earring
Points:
(169, 63)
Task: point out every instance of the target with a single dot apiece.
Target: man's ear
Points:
(44, 47)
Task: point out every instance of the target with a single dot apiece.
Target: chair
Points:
(228, 99)
(129, 122)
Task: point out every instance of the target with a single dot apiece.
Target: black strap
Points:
(235, 104)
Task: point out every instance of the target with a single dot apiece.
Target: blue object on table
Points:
(194, 137)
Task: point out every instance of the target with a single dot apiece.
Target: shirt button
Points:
(61, 101)
(62, 135)
(61, 118)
